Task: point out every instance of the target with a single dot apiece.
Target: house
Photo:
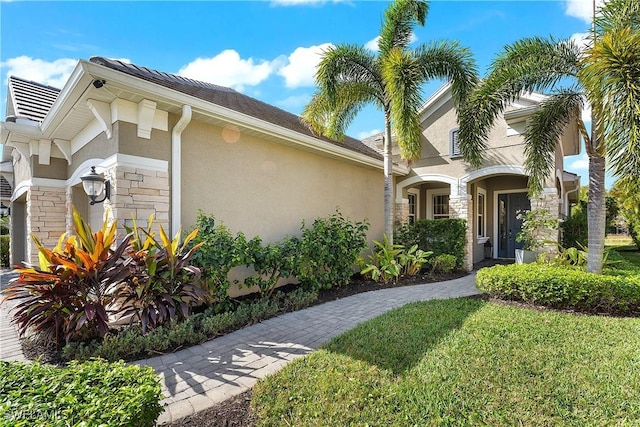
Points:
(442, 185)
(168, 146)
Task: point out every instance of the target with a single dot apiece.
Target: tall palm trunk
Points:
(596, 213)
(388, 180)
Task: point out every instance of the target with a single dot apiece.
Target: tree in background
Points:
(627, 193)
(606, 75)
(575, 227)
(350, 77)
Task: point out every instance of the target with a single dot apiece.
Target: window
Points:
(412, 207)
(454, 148)
(481, 213)
(441, 206)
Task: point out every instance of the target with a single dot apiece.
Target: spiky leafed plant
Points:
(163, 288)
(71, 293)
(350, 77)
(606, 75)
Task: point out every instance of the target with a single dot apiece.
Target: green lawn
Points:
(632, 257)
(464, 362)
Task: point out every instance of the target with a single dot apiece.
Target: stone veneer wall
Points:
(138, 192)
(47, 213)
(402, 212)
(459, 207)
(550, 201)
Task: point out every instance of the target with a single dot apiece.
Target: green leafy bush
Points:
(93, 393)
(131, 344)
(443, 263)
(562, 287)
(440, 236)
(329, 249)
(388, 262)
(272, 262)
(4, 250)
(219, 253)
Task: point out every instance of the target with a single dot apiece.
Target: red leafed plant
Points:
(72, 292)
(164, 289)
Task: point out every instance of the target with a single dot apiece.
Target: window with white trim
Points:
(413, 207)
(441, 206)
(454, 147)
(481, 213)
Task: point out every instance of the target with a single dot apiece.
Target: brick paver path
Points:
(10, 348)
(201, 376)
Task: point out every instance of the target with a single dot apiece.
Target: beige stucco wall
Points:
(56, 169)
(98, 148)
(265, 188)
(158, 147)
(21, 170)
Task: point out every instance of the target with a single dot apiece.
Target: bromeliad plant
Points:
(71, 294)
(388, 261)
(162, 289)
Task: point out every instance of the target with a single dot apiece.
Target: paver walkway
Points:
(204, 375)
(10, 348)
(201, 376)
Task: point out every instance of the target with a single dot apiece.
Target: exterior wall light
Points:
(94, 185)
(5, 211)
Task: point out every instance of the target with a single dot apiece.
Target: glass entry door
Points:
(508, 225)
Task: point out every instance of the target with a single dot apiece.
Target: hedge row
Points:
(93, 393)
(562, 287)
(440, 236)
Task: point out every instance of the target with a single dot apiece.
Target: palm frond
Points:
(347, 63)
(528, 65)
(543, 133)
(403, 75)
(615, 14)
(400, 19)
(611, 74)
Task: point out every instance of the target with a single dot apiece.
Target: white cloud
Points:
(580, 163)
(582, 9)
(52, 73)
(373, 43)
(581, 40)
(228, 69)
(368, 133)
(294, 102)
(304, 2)
(301, 69)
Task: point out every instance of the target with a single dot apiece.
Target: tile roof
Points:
(5, 188)
(30, 99)
(230, 99)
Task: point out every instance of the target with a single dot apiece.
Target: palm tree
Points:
(606, 75)
(350, 77)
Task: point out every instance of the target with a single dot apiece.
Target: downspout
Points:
(566, 196)
(176, 172)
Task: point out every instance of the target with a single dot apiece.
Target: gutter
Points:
(176, 173)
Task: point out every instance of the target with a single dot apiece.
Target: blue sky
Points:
(265, 49)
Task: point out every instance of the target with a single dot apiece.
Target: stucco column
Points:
(459, 207)
(47, 209)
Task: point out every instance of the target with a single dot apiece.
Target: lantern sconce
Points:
(94, 185)
(5, 211)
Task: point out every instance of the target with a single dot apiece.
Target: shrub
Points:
(91, 393)
(271, 262)
(72, 292)
(441, 236)
(329, 250)
(443, 263)
(162, 289)
(219, 253)
(388, 262)
(562, 287)
(4, 250)
(537, 226)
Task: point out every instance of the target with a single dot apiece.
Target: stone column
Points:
(548, 200)
(138, 193)
(459, 207)
(402, 212)
(46, 218)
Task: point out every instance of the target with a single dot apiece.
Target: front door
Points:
(508, 225)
